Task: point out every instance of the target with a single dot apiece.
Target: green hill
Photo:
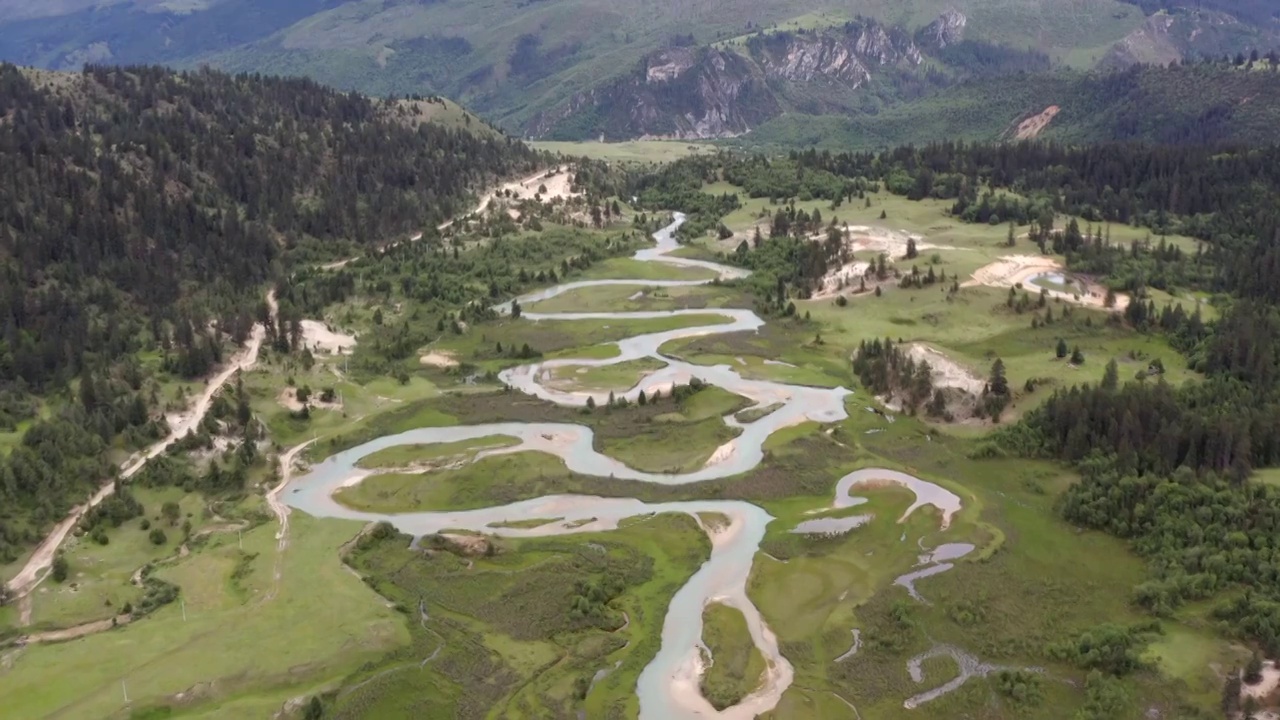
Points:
(1194, 103)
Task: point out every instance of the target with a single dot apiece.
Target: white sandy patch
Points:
(1012, 270)
(893, 243)
(722, 453)
(558, 184)
(872, 242)
(317, 337)
(1269, 684)
(439, 359)
(355, 479)
(946, 372)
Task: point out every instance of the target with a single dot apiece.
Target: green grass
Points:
(782, 351)
(98, 584)
(737, 664)
(670, 443)
(633, 298)
(270, 377)
(619, 376)
(402, 455)
(471, 486)
(632, 269)
(1005, 603)
(207, 655)
(447, 113)
(502, 635)
(629, 152)
(478, 347)
(711, 402)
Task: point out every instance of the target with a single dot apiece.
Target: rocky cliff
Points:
(948, 29)
(1171, 35)
(709, 92)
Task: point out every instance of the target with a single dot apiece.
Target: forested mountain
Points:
(1198, 102)
(554, 59)
(143, 211)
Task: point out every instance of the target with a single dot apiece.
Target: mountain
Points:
(728, 89)
(1198, 102)
(531, 65)
(146, 211)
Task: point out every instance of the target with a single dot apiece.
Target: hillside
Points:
(151, 259)
(543, 60)
(1193, 103)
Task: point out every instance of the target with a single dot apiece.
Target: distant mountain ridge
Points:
(582, 68)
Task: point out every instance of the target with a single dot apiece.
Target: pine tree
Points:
(1077, 357)
(1253, 670)
(998, 383)
(1061, 349)
(1111, 376)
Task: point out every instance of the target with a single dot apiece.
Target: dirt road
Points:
(559, 187)
(35, 570)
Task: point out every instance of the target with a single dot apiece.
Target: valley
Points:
(398, 417)
(701, 495)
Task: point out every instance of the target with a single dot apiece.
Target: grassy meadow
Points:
(301, 640)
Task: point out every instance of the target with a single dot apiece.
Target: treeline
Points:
(678, 186)
(1228, 424)
(428, 289)
(1190, 103)
(1223, 196)
(208, 177)
(143, 211)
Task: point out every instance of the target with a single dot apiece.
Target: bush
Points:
(158, 537)
(60, 568)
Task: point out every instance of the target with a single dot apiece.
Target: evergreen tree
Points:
(1111, 376)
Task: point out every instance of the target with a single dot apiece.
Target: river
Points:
(668, 688)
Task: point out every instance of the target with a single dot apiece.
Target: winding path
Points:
(668, 688)
(36, 568)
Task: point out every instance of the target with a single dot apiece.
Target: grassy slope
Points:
(1156, 104)
(382, 49)
(162, 655)
(972, 328)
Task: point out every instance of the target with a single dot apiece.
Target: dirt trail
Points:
(556, 187)
(35, 570)
(281, 511)
(77, 631)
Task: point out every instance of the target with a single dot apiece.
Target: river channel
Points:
(668, 688)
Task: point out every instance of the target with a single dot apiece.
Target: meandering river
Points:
(668, 688)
